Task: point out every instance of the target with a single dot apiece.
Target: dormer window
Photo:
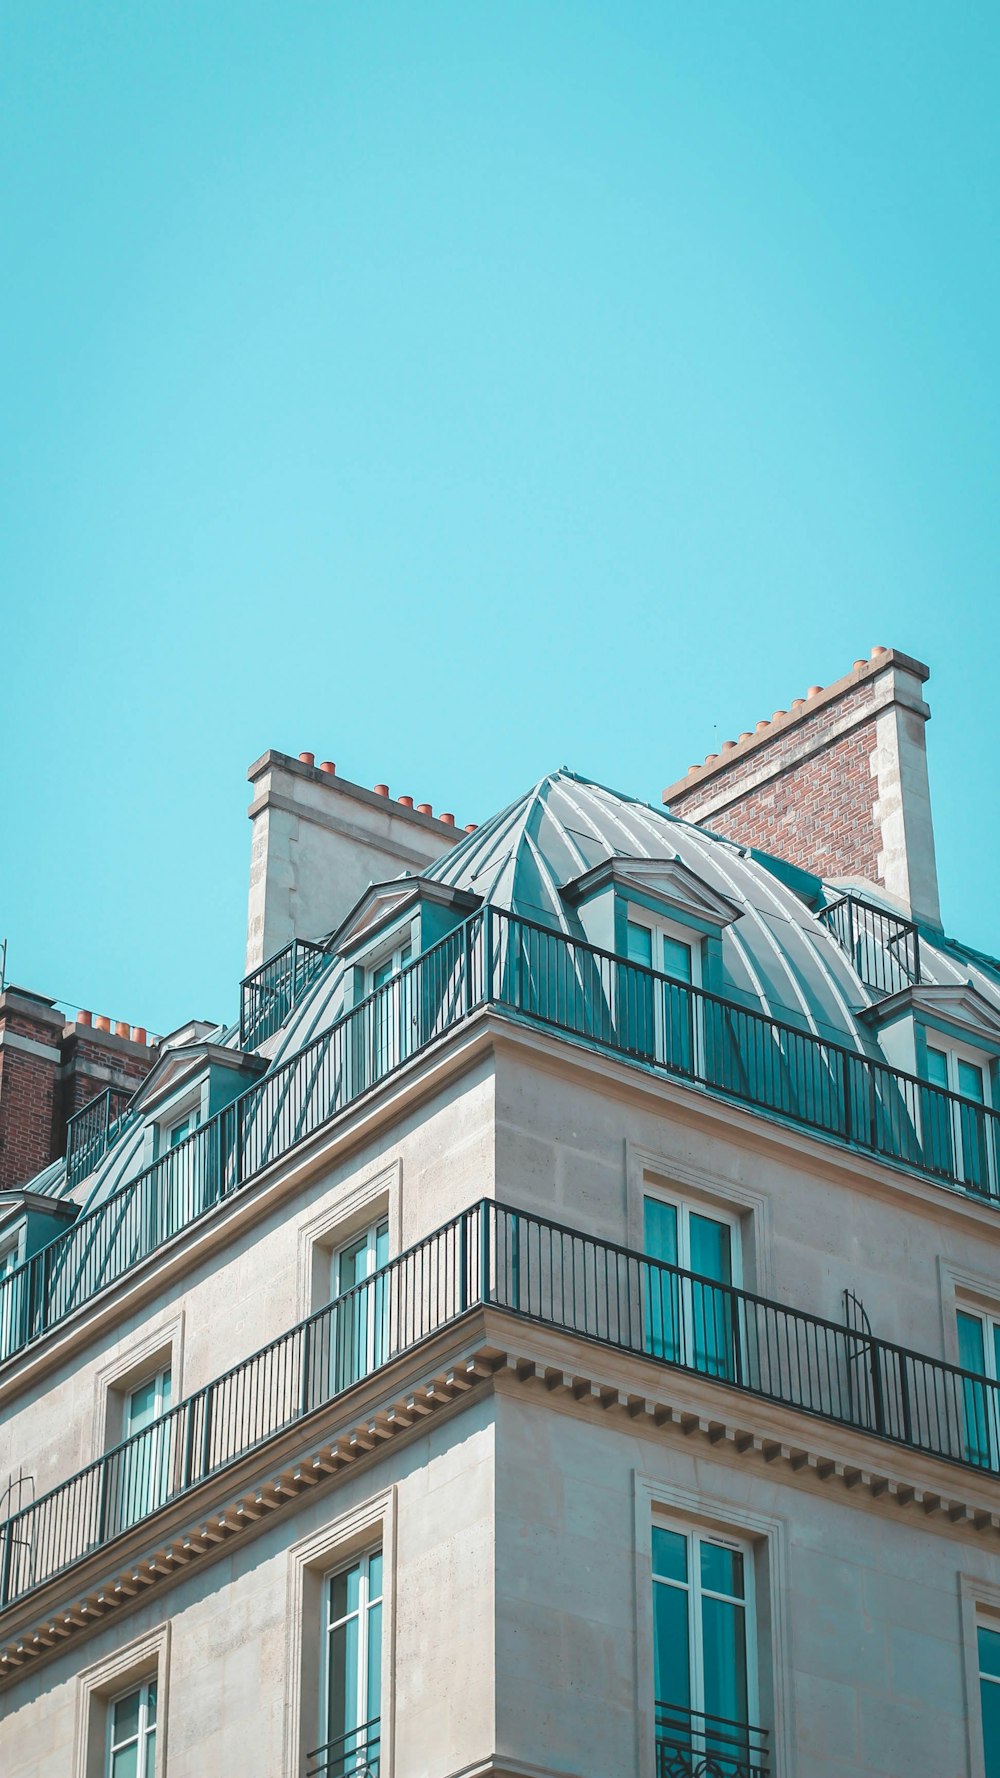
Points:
(960, 1127)
(661, 947)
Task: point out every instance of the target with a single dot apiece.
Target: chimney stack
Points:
(837, 784)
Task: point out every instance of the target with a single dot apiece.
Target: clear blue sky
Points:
(461, 390)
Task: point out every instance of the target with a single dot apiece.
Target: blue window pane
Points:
(671, 1645)
(125, 1763)
(970, 1081)
(722, 1570)
(971, 1349)
(638, 944)
(375, 1576)
(374, 1691)
(989, 1651)
(711, 1249)
(660, 1230)
(669, 1554)
(937, 1067)
(723, 1635)
(676, 958)
(126, 1718)
(989, 1694)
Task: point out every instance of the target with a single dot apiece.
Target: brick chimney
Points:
(836, 784)
(30, 1036)
(48, 1070)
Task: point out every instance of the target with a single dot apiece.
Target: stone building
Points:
(554, 1331)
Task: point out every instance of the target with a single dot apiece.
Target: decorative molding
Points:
(314, 1556)
(673, 882)
(166, 1336)
(346, 1212)
(139, 1660)
(720, 1512)
(644, 1164)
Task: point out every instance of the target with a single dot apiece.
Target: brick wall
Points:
(48, 1071)
(836, 784)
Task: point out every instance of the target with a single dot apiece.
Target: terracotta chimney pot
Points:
(746, 735)
(138, 1034)
(858, 665)
(308, 759)
(470, 826)
(448, 820)
(814, 691)
(878, 651)
(424, 809)
(101, 1023)
(798, 703)
(727, 746)
(327, 765)
(778, 714)
(762, 725)
(381, 790)
(407, 802)
(122, 1028)
(85, 1018)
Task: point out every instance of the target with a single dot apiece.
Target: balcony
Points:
(91, 1131)
(354, 1754)
(593, 997)
(492, 1256)
(691, 1744)
(268, 995)
(883, 947)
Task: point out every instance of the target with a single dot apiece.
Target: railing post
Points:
(872, 1109)
(463, 1262)
(878, 1394)
(845, 1061)
(8, 1556)
(488, 993)
(467, 964)
(206, 1430)
(304, 1368)
(485, 1293)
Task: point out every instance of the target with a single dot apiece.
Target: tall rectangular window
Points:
(979, 1351)
(359, 1326)
(703, 1656)
(688, 1320)
(961, 1135)
(352, 1672)
(989, 1697)
(658, 1016)
(131, 1750)
(139, 1474)
(392, 1010)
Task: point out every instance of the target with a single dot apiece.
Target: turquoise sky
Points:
(458, 391)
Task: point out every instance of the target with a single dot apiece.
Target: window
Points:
(359, 1320)
(658, 1017)
(139, 1474)
(11, 1297)
(392, 1009)
(704, 1655)
(960, 1132)
(132, 1733)
(989, 1697)
(979, 1351)
(352, 1671)
(690, 1321)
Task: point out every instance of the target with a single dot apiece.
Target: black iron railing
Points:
(535, 973)
(545, 1272)
(269, 993)
(388, 1314)
(354, 1754)
(91, 1131)
(694, 1744)
(883, 947)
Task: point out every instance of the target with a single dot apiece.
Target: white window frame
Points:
(683, 1311)
(695, 1534)
(659, 929)
(369, 1320)
(986, 1418)
(360, 1560)
(10, 1306)
(142, 1479)
(955, 1052)
(687, 1207)
(389, 1046)
(144, 1731)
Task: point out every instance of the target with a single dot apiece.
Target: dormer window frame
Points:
(662, 893)
(660, 927)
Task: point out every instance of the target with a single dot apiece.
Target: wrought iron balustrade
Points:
(535, 973)
(355, 1754)
(91, 1131)
(883, 947)
(693, 1744)
(269, 993)
(538, 1269)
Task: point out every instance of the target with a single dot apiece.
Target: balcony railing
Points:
(692, 1744)
(91, 1131)
(544, 1272)
(355, 1754)
(268, 995)
(607, 1003)
(883, 947)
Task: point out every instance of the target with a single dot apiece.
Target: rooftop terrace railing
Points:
(883, 947)
(91, 1131)
(545, 1272)
(269, 993)
(553, 980)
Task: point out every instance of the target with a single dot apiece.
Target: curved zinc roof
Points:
(778, 957)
